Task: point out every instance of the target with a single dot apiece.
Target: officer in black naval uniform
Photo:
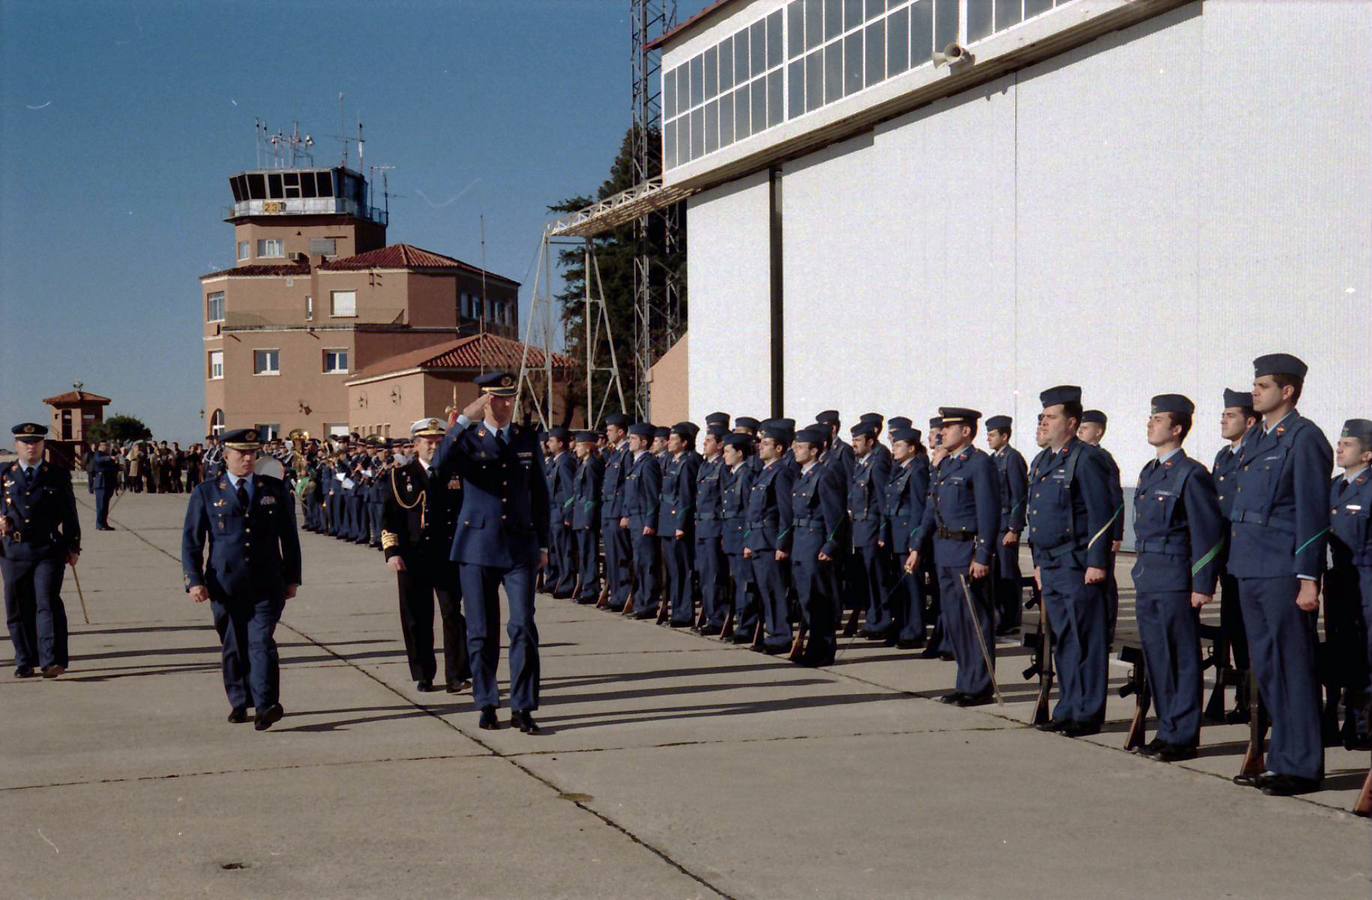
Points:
(418, 521)
(1236, 426)
(253, 569)
(39, 537)
(1013, 473)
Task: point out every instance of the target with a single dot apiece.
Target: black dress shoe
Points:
(424, 685)
(741, 638)
(270, 717)
(710, 630)
(954, 697)
(238, 715)
(1005, 630)
(53, 671)
(24, 672)
(977, 699)
(1290, 786)
(1053, 725)
(1081, 729)
(775, 650)
(524, 721)
(1357, 742)
(1170, 753)
(930, 652)
(457, 687)
(910, 643)
(946, 656)
(650, 613)
(687, 624)
(1151, 747)
(488, 720)
(585, 601)
(1257, 781)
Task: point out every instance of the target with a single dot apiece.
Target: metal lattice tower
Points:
(657, 312)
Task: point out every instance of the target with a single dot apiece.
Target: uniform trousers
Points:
(251, 665)
(1009, 602)
(588, 563)
(816, 589)
(871, 568)
(647, 558)
(102, 507)
(1169, 629)
(34, 612)
(422, 581)
(1077, 613)
(961, 630)
(712, 571)
(619, 562)
(1281, 643)
(745, 597)
(481, 600)
(770, 576)
(676, 553)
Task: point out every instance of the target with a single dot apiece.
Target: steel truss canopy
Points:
(620, 209)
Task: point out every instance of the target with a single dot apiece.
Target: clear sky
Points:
(121, 122)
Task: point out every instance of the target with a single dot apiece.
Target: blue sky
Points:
(120, 124)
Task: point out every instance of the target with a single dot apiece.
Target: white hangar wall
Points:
(1145, 213)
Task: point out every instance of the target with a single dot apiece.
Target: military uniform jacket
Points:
(1178, 530)
(841, 455)
(1224, 471)
(709, 497)
(902, 505)
(1116, 493)
(420, 514)
(104, 473)
(735, 491)
(561, 471)
(504, 517)
(678, 509)
(642, 492)
(1013, 475)
(253, 552)
(612, 484)
(42, 513)
(1350, 537)
(770, 509)
(1280, 517)
(817, 511)
(584, 512)
(963, 509)
(1071, 513)
(865, 490)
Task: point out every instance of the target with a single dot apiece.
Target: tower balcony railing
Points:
(307, 206)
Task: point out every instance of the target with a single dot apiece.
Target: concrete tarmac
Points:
(670, 766)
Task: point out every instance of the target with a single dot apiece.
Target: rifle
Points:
(798, 644)
(1042, 665)
(1253, 760)
(727, 631)
(1143, 697)
(1364, 805)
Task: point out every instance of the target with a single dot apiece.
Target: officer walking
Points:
(817, 519)
(767, 536)
(501, 539)
(1178, 536)
(583, 517)
(560, 579)
(639, 515)
(252, 570)
(102, 481)
(1280, 525)
(39, 537)
(1236, 426)
(1013, 475)
(902, 509)
(1348, 583)
(419, 519)
(962, 514)
(1071, 518)
(711, 568)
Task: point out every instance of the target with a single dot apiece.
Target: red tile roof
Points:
(72, 397)
(490, 351)
(255, 270)
(405, 256)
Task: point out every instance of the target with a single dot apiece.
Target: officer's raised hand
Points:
(476, 410)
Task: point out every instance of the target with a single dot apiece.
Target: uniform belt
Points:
(1062, 549)
(1254, 517)
(947, 534)
(807, 522)
(706, 517)
(1162, 545)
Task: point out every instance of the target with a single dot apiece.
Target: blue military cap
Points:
(718, 432)
(661, 431)
(935, 423)
(813, 435)
(1173, 403)
(717, 418)
(898, 422)
(1279, 364)
(908, 435)
(29, 432)
(642, 429)
(1238, 399)
(863, 429)
(1358, 428)
(562, 434)
(957, 415)
(739, 441)
(874, 418)
(586, 437)
(777, 430)
(685, 430)
(828, 417)
(1063, 393)
(497, 384)
(1096, 416)
(619, 420)
(786, 423)
(243, 439)
(747, 422)
(998, 423)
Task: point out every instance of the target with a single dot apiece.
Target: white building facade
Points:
(1137, 197)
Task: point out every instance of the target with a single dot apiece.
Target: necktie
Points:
(243, 493)
(500, 439)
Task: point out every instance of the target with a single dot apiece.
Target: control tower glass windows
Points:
(323, 246)
(271, 248)
(244, 250)
(214, 307)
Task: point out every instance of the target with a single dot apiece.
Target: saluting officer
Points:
(1348, 583)
(583, 516)
(737, 487)
(39, 537)
(1236, 426)
(419, 519)
(1280, 523)
(1013, 474)
(1071, 518)
(767, 536)
(639, 515)
(676, 522)
(560, 579)
(614, 533)
(501, 539)
(711, 568)
(1092, 431)
(1178, 536)
(961, 515)
(103, 478)
(902, 509)
(868, 573)
(252, 570)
